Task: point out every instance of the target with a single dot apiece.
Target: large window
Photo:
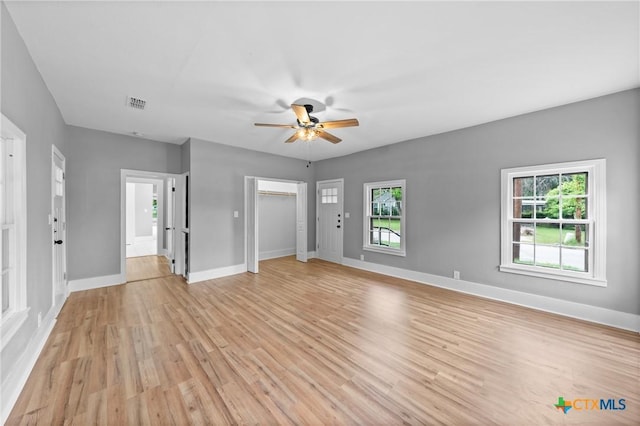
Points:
(384, 217)
(553, 221)
(13, 231)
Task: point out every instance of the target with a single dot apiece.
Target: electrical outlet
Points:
(39, 319)
(456, 275)
(362, 257)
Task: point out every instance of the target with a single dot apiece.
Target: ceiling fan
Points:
(309, 128)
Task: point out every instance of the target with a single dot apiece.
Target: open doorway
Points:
(150, 207)
(276, 220)
(144, 196)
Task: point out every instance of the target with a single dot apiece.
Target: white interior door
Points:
(330, 220)
(251, 212)
(58, 224)
(301, 222)
(170, 228)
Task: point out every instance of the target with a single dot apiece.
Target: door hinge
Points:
(173, 261)
(63, 175)
(318, 246)
(173, 189)
(64, 276)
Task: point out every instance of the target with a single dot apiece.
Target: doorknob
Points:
(57, 241)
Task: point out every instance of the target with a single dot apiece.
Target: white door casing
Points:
(170, 228)
(301, 222)
(58, 224)
(330, 219)
(179, 200)
(251, 212)
(251, 221)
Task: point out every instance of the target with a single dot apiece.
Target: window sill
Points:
(536, 272)
(395, 252)
(11, 325)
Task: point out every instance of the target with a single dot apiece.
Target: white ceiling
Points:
(209, 69)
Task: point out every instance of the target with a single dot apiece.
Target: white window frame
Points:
(366, 245)
(596, 217)
(17, 313)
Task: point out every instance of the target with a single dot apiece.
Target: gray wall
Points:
(453, 194)
(26, 101)
(276, 224)
(217, 189)
(94, 161)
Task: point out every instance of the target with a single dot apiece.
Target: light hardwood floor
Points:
(320, 343)
(147, 267)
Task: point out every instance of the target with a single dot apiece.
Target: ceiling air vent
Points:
(136, 103)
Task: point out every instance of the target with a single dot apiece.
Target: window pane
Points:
(548, 256)
(523, 208)
(523, 232)
(397, 193)
(548, 233)
(546, 185)
(574, 259)
(523, 253)
(548, 207)
(397, 209)
(6, 249)
(5, 291)
(575, 235)
(375, 209)
(574, 207)
(523, 187)
(575, 184)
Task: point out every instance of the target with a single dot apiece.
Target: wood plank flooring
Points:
(147, 267)
(320, 343)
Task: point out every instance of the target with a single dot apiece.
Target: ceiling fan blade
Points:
(328, 136)
(351, 122)
(301, 113)
(286, 126)
(293, 138)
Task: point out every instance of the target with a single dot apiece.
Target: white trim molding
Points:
(566, 308)
(16, 379)
(210, 274)
(96, 282)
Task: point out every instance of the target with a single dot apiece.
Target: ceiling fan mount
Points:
(309, 128)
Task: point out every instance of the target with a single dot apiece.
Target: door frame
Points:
(251, 232)
(160, 188)
(341, 202)
(56, 152)
(133, 174)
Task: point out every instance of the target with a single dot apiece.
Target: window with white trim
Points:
(384, 217)
(13, 230)
(553, 221)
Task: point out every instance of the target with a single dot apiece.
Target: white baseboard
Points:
(210, 274)
(17, 378)
(311, 254)
(96, 282)
(272, 254)
(591, 313)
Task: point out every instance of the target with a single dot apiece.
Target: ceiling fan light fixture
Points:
(308, 134)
